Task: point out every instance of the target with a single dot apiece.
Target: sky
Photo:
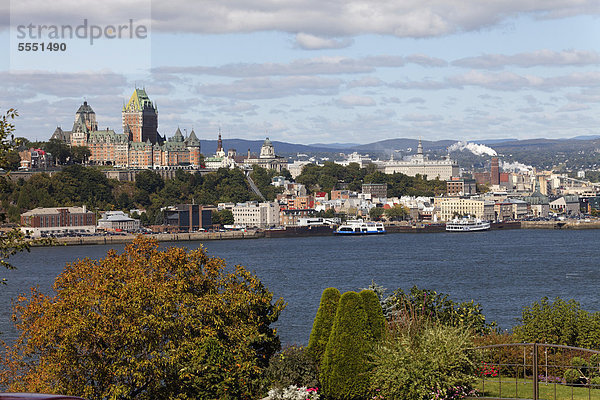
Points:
(308, 71)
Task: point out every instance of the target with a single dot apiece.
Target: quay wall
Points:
(560, 225)
(161, 237)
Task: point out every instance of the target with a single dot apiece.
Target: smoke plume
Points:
(477, 149)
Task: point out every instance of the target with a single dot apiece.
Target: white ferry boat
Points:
(359, 227)
(467, 225)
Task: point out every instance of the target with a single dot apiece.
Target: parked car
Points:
(36, 396)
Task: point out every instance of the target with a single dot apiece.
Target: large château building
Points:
(139, 146)
(420, 164)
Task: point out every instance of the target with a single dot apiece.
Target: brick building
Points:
(57, 221)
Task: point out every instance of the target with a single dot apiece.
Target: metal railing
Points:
(521, 368)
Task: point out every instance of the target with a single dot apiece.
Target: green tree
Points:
(398, 212)
(80, 154)
(559, 322)
(13, 160)
(345, 366)
(146, 324)
(321, 330)
(149, 181)
(13, 241)
(376, 213)
(59, 150)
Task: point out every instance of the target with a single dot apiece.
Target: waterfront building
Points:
(420, 164)
(118, 221)
(294, 216)
(451, 207)
(538, 204)
(187, 217)
(568, 205)
(57, 221)
(253, 214)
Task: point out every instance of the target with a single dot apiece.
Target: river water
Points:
(501, 270)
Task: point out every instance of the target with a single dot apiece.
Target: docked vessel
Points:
(359, 227)
(467, 225)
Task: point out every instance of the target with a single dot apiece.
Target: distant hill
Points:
(582, 152)
(241, 146)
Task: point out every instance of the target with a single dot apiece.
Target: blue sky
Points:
(319, 71)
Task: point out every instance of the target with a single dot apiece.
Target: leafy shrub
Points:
(440, 308)
(572, 376)
(559, 322)
(321, 330)
(344, 373)
(293, 393)
(413, 364)
(293, 366)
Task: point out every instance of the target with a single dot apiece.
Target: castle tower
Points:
(140, 118)
(86, 116)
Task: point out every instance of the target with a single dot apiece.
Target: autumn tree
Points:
(13, 241)
(145, 324)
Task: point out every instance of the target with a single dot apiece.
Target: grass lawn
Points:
(523, 389)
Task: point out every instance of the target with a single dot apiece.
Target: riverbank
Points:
(313, 231)
(161, 237)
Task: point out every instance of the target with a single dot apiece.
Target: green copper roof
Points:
(139, 101)
(192, 140)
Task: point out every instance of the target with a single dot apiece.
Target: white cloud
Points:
(311, 42)
(327, 65)
(407, 18)
(350, 101)
(269, 88)
(533, 59)
(573, 107)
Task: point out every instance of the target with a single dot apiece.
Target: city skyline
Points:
(354, 72)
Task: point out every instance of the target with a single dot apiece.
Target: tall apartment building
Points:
(378, 190)
(259, 215)
(461, 187)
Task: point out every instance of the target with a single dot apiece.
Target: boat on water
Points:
(359, 227)
(467, 225)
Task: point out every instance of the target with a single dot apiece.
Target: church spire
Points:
(219, 142)
(420, 147)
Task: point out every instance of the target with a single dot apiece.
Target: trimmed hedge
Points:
(344, 371)
(319, 336)
(374, 312)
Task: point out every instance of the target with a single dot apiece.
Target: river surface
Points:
(501, 270)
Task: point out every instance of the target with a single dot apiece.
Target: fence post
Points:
(535, 372)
